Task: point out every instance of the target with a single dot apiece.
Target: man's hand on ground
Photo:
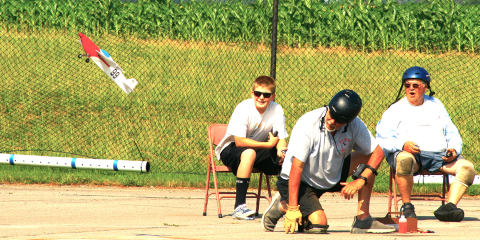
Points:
(292, 217)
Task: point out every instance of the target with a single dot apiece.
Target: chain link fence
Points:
(193, 73)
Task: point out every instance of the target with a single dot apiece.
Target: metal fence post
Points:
(274, 40)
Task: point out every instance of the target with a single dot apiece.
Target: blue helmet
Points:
(416, 72)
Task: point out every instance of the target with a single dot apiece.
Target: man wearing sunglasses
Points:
(320, 159)
(251, 140)
(416, 134)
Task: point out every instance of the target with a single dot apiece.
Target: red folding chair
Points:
(392, 192)
(216, 132)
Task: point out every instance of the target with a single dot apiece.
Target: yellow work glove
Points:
(292, 217)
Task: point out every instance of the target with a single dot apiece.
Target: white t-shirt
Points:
(323, 154)
(247, 122)
(428, 125)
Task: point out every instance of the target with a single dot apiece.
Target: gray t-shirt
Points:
(323, 154)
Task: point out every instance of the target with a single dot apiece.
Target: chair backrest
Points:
(216, 132)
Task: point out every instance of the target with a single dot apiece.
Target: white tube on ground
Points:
(75, 163)
(420, 179)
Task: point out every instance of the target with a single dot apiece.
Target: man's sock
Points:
(242, 188)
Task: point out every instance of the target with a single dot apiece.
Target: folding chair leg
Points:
(217, 194)
(269, 190)
(395, 200)
(445, 188)
(207, 187)
(259, 193)
(390, 194)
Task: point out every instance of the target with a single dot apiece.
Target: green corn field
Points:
(373, 25)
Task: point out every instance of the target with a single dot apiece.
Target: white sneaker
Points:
(243, 213)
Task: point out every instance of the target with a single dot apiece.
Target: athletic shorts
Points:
(429, 161)
(309, 196)
(265, 160)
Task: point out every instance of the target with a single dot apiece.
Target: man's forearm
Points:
(375, 160)
(250, 143)
(294, 181)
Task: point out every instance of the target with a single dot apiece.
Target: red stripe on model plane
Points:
(90, 48)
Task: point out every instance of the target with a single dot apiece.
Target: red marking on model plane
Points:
(90, 48)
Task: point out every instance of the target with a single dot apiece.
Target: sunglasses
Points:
(415, 85)
(338, 121)
(265, 94)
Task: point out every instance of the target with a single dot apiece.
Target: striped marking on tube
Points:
(74, 166)
(11, 160)
(115, 167)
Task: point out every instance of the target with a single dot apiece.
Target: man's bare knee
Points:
(318, 217)
(465, 174)
(405, 164)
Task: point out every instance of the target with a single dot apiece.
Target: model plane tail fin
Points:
(129, 85)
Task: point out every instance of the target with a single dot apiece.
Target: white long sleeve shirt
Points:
(428, 125)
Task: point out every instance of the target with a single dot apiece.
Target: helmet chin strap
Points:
(431, 92)
(334, 128)
(398, 95)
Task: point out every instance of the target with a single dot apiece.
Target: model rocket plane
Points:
(105, 62)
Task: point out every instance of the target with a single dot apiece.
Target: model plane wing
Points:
(108, 59)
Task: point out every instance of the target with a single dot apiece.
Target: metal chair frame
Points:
(392, 192)
(216, 132)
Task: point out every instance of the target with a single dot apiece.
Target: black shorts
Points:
(308, 196)
(265, 160)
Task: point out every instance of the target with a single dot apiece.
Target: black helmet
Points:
(345, 106)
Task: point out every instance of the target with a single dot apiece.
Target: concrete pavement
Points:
(86, 212)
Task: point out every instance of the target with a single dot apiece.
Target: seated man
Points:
(250, 140)
(319, 160)
(416, 133)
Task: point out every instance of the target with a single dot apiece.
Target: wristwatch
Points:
(362, 177)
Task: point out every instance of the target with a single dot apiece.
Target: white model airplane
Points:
(105, 62)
